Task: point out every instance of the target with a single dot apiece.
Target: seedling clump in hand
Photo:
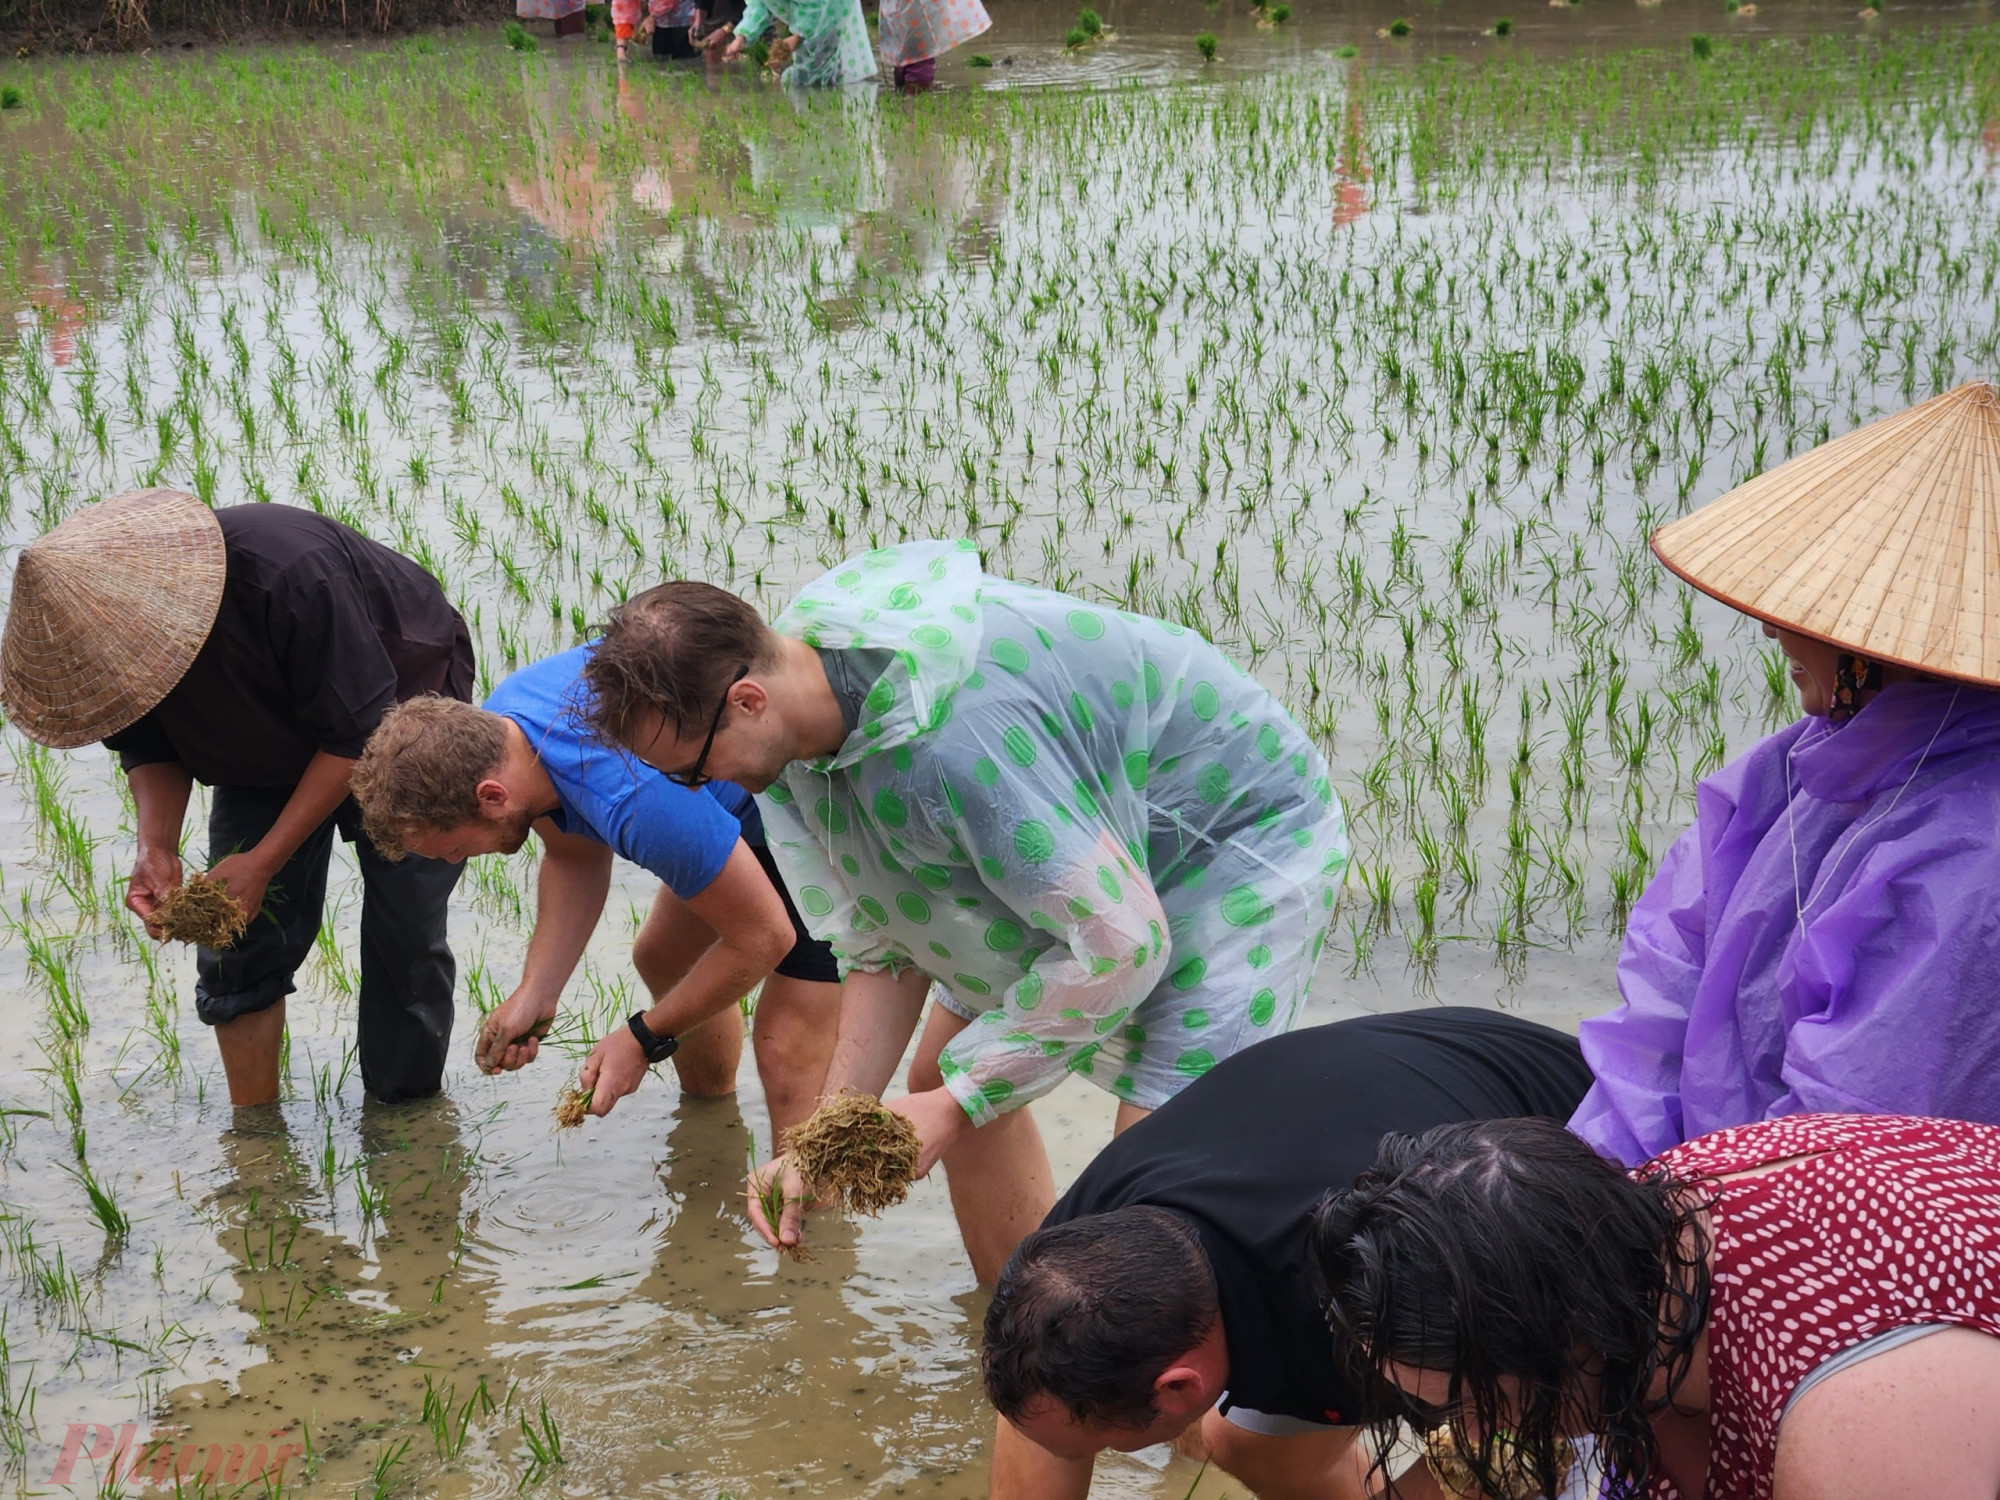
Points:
(202, 912)
(855, 1153)
(572, 1107)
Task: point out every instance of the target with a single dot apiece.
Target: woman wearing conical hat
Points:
(254, 650)
(1826, 937)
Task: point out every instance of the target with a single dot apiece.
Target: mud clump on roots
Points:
(201, 911)
(855, 1153)
(1456, 1476)
(572, 1107)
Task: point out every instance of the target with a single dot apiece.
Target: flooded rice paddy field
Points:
(1376, 358)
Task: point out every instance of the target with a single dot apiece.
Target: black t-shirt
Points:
(320, 631)
(1246, 1152)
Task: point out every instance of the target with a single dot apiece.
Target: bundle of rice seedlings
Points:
(855, 1153)
(573, 1106)
(1447, 1461)
(201, 911)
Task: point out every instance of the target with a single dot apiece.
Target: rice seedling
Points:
(543, 1440)
(854, 1153)
(573, 1108)
(201, 912)
(1205, 44)
(103, 1203)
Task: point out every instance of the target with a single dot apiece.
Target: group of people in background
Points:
(826, 43)
(1741, 1239)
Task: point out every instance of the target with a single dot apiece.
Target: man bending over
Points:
(1170, 1287)
(448, 781)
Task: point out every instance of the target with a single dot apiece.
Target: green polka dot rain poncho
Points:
(1098, 835)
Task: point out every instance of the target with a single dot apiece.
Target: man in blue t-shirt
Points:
(446, 780)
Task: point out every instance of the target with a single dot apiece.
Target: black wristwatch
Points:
(657, 1048)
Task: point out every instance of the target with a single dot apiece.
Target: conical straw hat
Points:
(109, 611)
(1885, 541)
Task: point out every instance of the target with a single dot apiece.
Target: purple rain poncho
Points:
(1843, 958)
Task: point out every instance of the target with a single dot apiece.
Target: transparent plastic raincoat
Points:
(834, 49)
(1092, 830)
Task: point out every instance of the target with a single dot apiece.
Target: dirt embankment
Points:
(28, 26)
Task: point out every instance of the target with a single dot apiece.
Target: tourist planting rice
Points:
(828, 46)
(444, 780)
(1375, 362)
(1109, 849)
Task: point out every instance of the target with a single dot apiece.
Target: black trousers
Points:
(407, 971)
(672, 41)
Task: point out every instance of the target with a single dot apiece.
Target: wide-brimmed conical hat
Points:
(1885, 541)
(109, 611)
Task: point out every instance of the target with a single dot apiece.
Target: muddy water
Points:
(327, 1276)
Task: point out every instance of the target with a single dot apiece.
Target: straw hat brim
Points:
(109, 611)
(1884, 542)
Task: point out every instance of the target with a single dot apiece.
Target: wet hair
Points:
(420, 770)
(1090, 1313)
(670, 653)
(1507, 1251)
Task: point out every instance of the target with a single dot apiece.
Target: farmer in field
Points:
(1111, 851)
(1170, 1288)
(916, 33)
(828, 46)
(445, 780)
(1826, 937)
(252, 649)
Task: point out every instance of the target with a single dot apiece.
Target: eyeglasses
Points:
(693, 776)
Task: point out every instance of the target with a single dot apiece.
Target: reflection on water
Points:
(1378, 369)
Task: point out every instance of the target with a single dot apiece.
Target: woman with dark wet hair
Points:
(1799, 1309)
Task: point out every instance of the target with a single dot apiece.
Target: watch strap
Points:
(657, 1048)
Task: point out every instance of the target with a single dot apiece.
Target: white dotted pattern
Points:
(1884, 1222)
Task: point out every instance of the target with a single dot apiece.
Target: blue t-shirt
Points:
(682, 835)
